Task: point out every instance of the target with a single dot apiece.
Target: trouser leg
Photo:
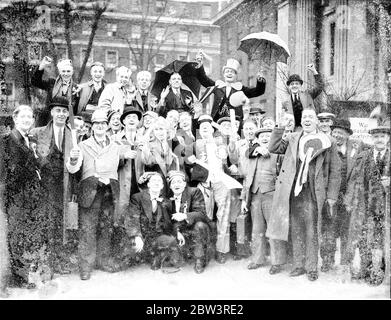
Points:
(297, 232)
(88, 222)
(208, 198)
(311, 234)
(199, 239)
(258, 243)
(223, 200)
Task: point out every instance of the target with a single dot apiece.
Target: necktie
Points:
(59, 139)
(297, 99)
(378, 158)
(154, 204)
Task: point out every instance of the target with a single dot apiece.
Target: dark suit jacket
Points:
(139, 219)
(220, 93)
(193, 203)
(150, 102)
(171, 103)
(52, 87)
(84, 95)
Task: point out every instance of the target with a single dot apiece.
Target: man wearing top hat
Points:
(98, 159)
(175, 97)
(61, 87)
(189, 217)
(309, 177)
(257, 196)
(225, 90)
(54, 143)
(299, 99)
(256, 114)
(337, 226)
(205, 160)
(88, 93)
(365, 201)
(326, 120)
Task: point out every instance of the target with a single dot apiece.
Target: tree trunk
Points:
(67, 27)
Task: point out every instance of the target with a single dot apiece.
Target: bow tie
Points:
(234, 85)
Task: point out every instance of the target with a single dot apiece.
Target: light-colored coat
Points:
(327, 180)
(114, 98)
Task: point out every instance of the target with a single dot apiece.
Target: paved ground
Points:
(229, 281)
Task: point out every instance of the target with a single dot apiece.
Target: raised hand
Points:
(46, 61)
(311, 67)
(199, 58)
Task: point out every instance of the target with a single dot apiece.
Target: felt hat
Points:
(99, 116)
(59, 102)
(326, 115)
(256, 110)
(129, 109)
(342, 124)
(294, 77)
(262, 130)
(175, 173)
(205, 118)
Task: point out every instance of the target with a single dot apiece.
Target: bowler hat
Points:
(256, 110)
(237, 118)
(262, 130)
(59, 102)
(86, 115)
(380, 129)
(342, 124)
(294, 77)
(129, 109)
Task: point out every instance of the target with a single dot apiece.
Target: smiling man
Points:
(54, 143)
(90, 92)
(61, 87)
(309, 176)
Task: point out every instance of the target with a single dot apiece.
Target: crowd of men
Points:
(116, 175)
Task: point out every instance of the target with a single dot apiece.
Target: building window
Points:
(205, 37)
(86, 28)
(10, 89)
(90, 58)
(136, 6)
(206, 11)
(160, 59)
(183, 36)
(160, 5)
(62, 53)
(160, 33)
(34, 52)
(182, 57)
(112, 29)
(136, 32)
(332, 48)
(111, 58)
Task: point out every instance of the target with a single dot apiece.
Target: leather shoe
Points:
(275, 269)
(253, 266)
(199, 266)
(85, 275)
(110, 267)
(155, 264)
(326, 267)
(312, 275)
(221, 258)
(297, 272)
(236, 257)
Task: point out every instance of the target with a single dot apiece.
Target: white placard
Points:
(361, 127)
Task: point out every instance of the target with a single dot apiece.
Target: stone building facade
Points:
(342, 37)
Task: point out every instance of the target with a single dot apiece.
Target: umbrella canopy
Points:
(185, 68)
(265, 45)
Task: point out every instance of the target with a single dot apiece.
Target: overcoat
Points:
(327, 180)
(151, 102)
(171, 103)
(84, 95)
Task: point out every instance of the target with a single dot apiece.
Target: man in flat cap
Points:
(365, 200)
(256, 114)
(257, 197)
(189, 216)
(54, 143)
(89, 92)
(97, 159)
(299, 99)
(326, 120)
(61, 87)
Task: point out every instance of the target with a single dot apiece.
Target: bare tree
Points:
(153, 33)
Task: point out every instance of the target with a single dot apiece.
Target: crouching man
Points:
(148, 216)
(98, 158)
(190, 219)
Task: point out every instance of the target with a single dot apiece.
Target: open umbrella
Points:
(265, 46)
(185, 68)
